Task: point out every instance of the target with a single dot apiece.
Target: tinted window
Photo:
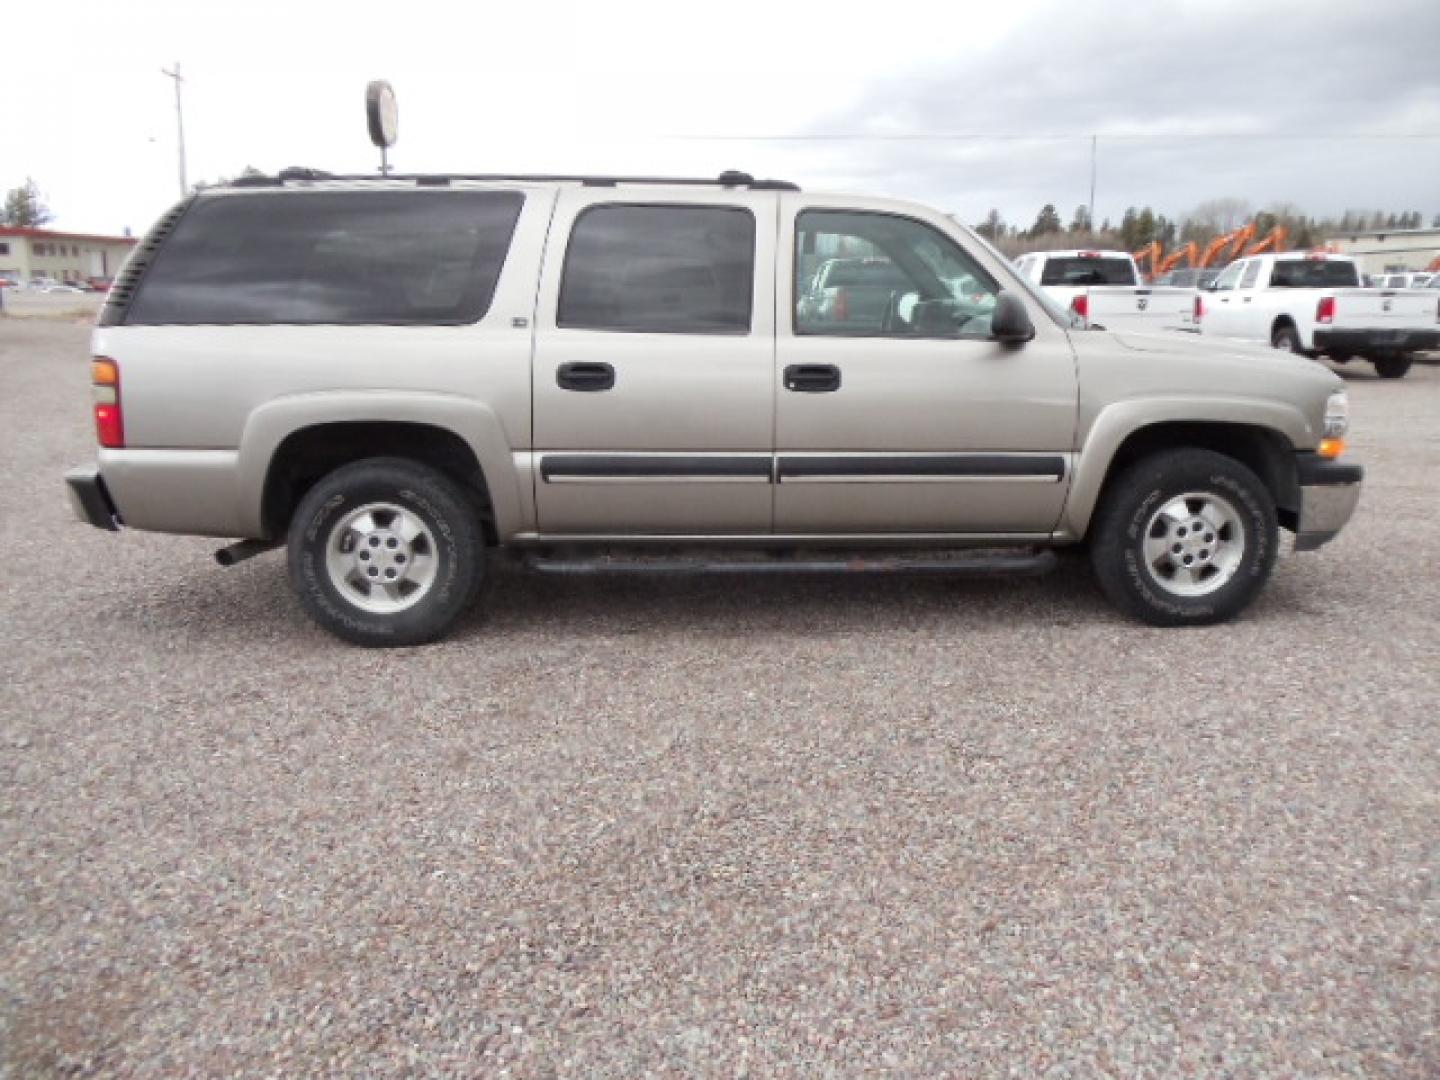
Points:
(660, 269)
(909, 280)
(326, 257)
(1313, 274)
(1087, 271)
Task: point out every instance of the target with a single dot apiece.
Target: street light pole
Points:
(1093, 140)
(179, 126)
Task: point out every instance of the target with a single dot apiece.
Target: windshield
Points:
(1087, 270)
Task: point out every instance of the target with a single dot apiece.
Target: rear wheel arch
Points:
(306, 456)
(1282, 326)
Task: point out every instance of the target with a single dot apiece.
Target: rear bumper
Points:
(1329, 492)
(1367, 342)
(90, 499)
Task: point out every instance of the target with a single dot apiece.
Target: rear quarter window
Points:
(301, 258)
(1313, 274)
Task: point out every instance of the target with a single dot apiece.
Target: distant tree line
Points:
(1141, 226)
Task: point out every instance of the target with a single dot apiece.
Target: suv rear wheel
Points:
(1184, 538)
(385, 552)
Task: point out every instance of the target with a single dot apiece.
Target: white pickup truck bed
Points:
(1312, 303)
(1104, 289)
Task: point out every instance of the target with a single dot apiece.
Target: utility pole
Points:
(179, 126)
(1092, 179)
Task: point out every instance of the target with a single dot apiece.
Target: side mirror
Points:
(1010, 322)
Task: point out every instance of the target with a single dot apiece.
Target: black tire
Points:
(1393, 367)
(1286, 339)
(1131, 509)
(396, 491)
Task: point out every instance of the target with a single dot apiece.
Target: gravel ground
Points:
(795, 827)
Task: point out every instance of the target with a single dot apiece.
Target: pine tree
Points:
(24, 208)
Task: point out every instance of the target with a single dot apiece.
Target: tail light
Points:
(1199, 309)
(1325, 310)
(842, 305)
(1081, 306)
(105, 387)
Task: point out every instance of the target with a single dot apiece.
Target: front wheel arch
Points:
(1267, 453)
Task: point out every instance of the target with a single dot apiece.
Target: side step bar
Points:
(1020, 563)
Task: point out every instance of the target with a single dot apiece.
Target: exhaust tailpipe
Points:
(244, 549)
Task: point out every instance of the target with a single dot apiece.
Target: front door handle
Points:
(812, 378)
(585, 377)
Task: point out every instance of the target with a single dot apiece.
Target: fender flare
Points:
(470, 420)
(1118, 422)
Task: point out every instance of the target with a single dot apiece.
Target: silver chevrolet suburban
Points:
(395, 376)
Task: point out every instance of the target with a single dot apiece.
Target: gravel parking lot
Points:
(818, 826)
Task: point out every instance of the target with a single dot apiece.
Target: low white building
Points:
(74, 257)
(1380, 250)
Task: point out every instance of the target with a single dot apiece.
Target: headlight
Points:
(1337, 415)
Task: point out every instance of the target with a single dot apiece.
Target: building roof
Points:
(48, 234)
(1355, 234)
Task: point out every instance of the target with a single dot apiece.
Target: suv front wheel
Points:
(385, 552)
(1184, 537)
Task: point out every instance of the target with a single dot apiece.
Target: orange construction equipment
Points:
(1242, 236)
(1151, 251)
(1188, 251)
(1274, 241)
(1216, 246)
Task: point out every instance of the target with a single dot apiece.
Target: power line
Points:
(1067, 137)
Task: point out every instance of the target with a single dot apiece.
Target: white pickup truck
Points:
(1104, 289)
(1313, 303)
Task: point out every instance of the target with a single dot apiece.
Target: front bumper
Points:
(1370, 342)
(1329, 491)
(90, 499)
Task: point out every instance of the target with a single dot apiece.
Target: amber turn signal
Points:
(104, 372)
(1332, 448)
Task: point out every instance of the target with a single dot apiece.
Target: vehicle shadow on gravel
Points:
(515, 600)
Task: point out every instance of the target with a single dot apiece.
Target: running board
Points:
(1018, 563)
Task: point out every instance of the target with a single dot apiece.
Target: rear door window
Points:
(357, 257)
(659, 269)
(1083, 270)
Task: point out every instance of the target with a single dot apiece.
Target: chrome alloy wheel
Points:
(381, 558)
(1194, 544)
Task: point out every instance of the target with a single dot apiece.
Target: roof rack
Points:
(731, 178)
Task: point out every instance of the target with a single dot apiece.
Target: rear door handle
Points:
(585, 377)
(812, 378)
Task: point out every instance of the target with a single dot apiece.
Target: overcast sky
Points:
(1326, 105)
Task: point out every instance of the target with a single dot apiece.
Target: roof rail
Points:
(731, 178)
